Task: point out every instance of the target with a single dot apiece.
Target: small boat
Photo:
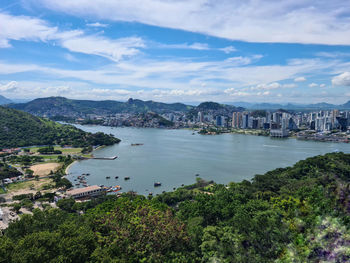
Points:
(102, 185)
(116, 177)
(116, 188)
(108, 177)
(126, 178)
(157, 184)
(182, 185)
(87, 174)
(77, 184)
(197, 174)
(136, 144)
(150, 193)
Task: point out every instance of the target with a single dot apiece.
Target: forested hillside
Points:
(295, 214)
(59, 106)
(22, 129)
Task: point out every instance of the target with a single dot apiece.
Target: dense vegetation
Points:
(59, 106)
(22, 129)
(6, 171)
(294, 214)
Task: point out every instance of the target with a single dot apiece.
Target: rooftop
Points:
(83, 190)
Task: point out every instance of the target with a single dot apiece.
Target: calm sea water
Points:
(174, 157)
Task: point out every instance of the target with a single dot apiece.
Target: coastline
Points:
(67, 168)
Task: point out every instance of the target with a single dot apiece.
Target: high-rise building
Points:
(200, 117)
(218, 121)
(236, 120)
(245, 117)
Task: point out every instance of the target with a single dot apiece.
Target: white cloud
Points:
(228, 49)
(33, 29)
(313, 85)
(97, 45)
(342, 79)
(300, 79)
(9, 87)
(70, 57)
(322, 85)
(272, 86)
(293, 22)
(97, 24)
(28, 28)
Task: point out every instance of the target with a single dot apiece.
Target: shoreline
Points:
(66, 171)
(75, 161)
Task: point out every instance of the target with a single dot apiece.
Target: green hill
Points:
(19, 129)
(59, 106)
(294, 214)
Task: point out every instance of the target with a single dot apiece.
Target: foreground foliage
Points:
(294, 214)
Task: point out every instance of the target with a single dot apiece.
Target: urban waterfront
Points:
(174, 157)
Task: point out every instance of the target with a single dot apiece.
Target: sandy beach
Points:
(45, 169)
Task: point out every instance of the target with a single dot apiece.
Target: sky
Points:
(290, 51)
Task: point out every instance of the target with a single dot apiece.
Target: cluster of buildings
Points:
(280, 123)
(10, 151)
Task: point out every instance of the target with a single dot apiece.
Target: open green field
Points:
(62, 149)
(27, 185)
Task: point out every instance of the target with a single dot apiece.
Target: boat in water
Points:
(126, 178)
(157, 184)
(136, 144)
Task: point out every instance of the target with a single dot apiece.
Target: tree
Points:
(29, 173)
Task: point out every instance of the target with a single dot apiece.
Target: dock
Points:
(98, 158)
(105, 158)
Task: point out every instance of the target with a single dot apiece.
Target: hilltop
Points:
(60, 106)
(19, 129)
(213, 108)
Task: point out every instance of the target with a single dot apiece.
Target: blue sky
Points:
(187, 51)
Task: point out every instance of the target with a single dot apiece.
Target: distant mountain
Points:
(4, 100)
(291, 106)
(19, 128)
(346, 105)
(213, 108)
(60, 106)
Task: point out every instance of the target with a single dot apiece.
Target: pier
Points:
(104, 158)
(98, 158)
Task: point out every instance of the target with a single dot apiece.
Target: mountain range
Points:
(60, 106)
(63, 107)
(290, 106)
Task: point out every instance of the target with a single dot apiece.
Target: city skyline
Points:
(178, 51)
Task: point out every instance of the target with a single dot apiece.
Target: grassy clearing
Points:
(28, 185)
(64, 150)
(19, 186)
